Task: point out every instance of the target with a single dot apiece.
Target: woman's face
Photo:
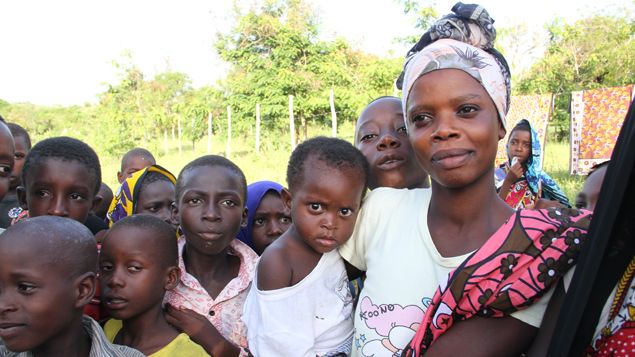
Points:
(453, 127)
(519, 145)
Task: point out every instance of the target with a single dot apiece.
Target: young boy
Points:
(133, 161)
(300, 304)
(42, 295)
(10, 206)
(216, 268)
(138, 263)
(7, 158)
(380, 134)
(61, 177)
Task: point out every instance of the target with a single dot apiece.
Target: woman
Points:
(465, 255)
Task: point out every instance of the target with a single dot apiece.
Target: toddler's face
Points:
(325, 205)
(157, 199)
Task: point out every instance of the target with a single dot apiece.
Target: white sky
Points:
(61, 52)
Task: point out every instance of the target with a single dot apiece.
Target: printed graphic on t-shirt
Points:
(394, 324)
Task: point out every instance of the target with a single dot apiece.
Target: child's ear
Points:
(243, 223)
(286, 198)
(172, 278)
(21, 192)
(85, 286)
(96, 202)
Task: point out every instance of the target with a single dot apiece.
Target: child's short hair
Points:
(17, 130)
(335, 153)
(141, 152)
(164, 242)
(66, 242)
(65, 149)
(211, 161)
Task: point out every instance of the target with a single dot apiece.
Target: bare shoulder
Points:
(274, 268)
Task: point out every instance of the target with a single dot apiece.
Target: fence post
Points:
(228, 148)
(333, 114)
(209, 132)
(165, 142)
(179, 133)
(291, 123)
(258, 128)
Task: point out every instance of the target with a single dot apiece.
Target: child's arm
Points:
(200, 331)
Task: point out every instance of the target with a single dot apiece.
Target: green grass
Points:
(271, 163)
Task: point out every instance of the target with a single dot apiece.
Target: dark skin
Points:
(40, 306)
(21, 150)
(270, 221)
(211, 211)
(133, 285)
(324, 207)
(454, 130)
(380, 134)
(133, 164)
(157, 199)
(7, 158)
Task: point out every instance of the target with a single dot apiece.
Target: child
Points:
(454, 270)
(521, 181)
(216, 269)
(147, 191)
(7, 158)
(138, 264)
(61, 177)
(42, 295)
(590, 193)
(380, 134)
(267, 216)
(133, 161)
(106, 199)
(299, 304)
(10, 206)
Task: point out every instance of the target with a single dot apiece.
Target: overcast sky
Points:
(61, 52)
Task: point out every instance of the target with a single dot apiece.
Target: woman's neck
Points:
(460, 220)
(147, 332)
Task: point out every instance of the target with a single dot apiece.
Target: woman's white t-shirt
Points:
(391, 242)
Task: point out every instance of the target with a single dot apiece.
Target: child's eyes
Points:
(421, 119)
(105, 267)
(42, 193)
(5, 170)
(402, 130)
(194, 201)
(135, 268)
(317, 207)
(25, 288)
(76, 196)
(228, 203)
(345, 212)
(259, 222)
(367, 137)
(285, 220)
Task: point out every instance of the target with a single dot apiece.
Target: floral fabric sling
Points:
(519, 263)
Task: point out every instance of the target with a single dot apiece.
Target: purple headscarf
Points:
(255, 193)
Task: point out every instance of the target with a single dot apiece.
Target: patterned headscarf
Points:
(127, 196)
(463, 40)
(534, 173)
(255, 193)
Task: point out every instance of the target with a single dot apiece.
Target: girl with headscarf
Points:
(147, 191)
(521, 183)
(267, 216)
(453, 270)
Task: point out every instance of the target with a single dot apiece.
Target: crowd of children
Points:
(204, 264)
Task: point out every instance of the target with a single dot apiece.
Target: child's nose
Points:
(58, 207)
(388, 141)
(6, 304)
(274, 229)
(211, 212)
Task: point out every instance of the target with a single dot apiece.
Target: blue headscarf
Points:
(255, 193)
(534, 173)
